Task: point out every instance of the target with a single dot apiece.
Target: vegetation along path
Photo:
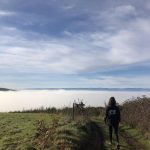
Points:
(127, 141)
(132, 142)
(18, 131)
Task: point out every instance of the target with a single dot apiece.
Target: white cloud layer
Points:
(81, 40)
(75, 53)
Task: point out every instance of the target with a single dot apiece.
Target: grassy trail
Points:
(127, 141)
(17, 132)
(134, 144)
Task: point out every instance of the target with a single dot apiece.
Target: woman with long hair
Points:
(113, 118)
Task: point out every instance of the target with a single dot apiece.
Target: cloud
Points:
(6, 13)
(73, 38)
(51, 55)
(124, 10)
(118, 82)
(75, 53)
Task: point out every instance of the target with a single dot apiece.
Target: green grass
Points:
(133, 132)
(137, 135)
(17, 131)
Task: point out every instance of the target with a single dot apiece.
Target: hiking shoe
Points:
(118, 146)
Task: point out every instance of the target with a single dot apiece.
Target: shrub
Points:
(136, 113)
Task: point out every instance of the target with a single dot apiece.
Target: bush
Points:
(136, 113)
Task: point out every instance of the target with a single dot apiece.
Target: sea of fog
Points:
(27, 99)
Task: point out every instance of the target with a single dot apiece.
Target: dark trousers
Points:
(115, 128)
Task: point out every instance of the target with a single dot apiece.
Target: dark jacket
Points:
(112, 115)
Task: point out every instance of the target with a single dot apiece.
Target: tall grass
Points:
(136, 113)
(70, 135)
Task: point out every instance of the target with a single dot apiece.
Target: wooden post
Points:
(73, 111)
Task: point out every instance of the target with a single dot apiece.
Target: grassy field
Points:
(33, 131)
(17, 131)
(46, 131)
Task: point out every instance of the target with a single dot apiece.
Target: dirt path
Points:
(127, 142)
(132, 142)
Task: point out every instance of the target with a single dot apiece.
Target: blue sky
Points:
(74, 43)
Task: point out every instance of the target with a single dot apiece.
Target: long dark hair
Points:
(112, 101)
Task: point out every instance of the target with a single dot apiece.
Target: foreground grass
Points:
(18, 131)
(130, 138)
(137, 135)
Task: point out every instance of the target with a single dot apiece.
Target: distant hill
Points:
(5, 89)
